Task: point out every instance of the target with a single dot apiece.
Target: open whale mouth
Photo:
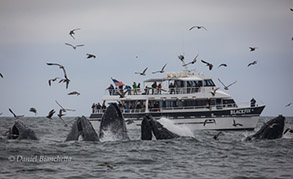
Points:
(14, 132)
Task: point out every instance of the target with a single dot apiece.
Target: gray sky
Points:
(33, 33)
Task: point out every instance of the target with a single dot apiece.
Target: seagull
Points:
(198, 27)
(122, 95)
(226, 87)
(222, 65)
(236, 124)
(181, 57)
(208, 64)
(252, 63)
(288, 130)
(1, 113)
(54, 79)
(51, 113)
(66, 80)
(74, 93)
(142, 73)
(74, 46)
(213, 92)
(109, 165)
(209, 120)
(1, 75)
(216, 137)
(60, 114)
(33, 110)
(253, 48)
(61, 67)
(291, 9)
(63, 109)
(288, 104)
(192, 62)
(72, 32)
(16, 116)
(162, 70)
(90, 56)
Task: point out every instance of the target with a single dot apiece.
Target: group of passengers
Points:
(97, 107)
(115, 91)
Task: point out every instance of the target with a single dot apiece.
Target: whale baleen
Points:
(20, 131)
(273, 129)
(150, 125)
(113, 123)
(82, 127)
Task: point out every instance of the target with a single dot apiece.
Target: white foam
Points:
(181, 130)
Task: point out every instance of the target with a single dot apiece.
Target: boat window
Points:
(208, 83)
(179, 83)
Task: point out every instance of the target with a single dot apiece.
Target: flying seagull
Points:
(90, 56)
(291, 9)
(122, 95)
(236, 124)
(74, 46)
(51, 113)
(208, 64)
(63, 109)
(253, 48)
(74, 93)
(60, 114)
(252, 63)
(222, 65)
(1, 75)
(33, 110)
(16, 116)
(213, 92)
(287, 105)
(198, 27)
(216, 137)
(209, 121)
(72, 32)
(181, 57)
(142, 73)
(161, 71)
(226, 87)
(65, 80)
(50, 80)
(192, 62)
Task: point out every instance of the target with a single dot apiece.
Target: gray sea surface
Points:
(187, 157)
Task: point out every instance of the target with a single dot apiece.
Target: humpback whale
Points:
(82, 127)
(273, 129)
(20, 131)
(114, 123)
(149, 126)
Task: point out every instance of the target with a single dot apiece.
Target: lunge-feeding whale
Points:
(82, 127)
(273, 129)
(21, 131)
(149, 126)
(113, 123)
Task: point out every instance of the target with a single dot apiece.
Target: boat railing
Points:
(154, 91)
(184, 108)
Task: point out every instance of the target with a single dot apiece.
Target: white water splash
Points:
(181, 130)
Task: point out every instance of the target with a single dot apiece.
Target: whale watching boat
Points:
(186, 98)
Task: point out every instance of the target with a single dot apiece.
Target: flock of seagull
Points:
(65, 80)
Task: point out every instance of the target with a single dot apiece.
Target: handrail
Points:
(155, 91)
(163, 109)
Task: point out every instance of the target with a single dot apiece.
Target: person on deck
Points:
(252, 102)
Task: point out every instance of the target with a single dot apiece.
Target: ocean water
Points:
(197, 156)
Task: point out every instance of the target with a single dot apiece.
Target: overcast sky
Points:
(33, 33)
